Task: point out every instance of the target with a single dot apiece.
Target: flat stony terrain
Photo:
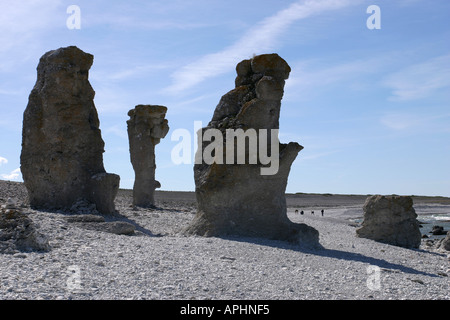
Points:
(157, 262)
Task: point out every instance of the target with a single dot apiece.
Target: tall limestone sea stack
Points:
(248, 199)
(62, 147)
(146, 127)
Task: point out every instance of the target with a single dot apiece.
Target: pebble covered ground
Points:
(159, 263)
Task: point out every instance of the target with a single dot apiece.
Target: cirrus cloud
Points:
(420, 80)
(263, 37)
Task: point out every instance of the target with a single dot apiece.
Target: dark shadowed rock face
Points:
(62, 147)
(445, 244)
(18, 232)
(392, 220)
(237, 199)
(146, 127)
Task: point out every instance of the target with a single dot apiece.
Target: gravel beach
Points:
(159, 263)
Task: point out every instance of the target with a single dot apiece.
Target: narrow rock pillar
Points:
(146, 127)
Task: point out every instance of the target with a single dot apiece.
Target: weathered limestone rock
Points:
(445, 243)
(392, 220)
(242, 199)
(62, 147)
(146, 127)
(18, 232)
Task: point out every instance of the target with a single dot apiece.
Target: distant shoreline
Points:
(308, 199)
(419, 198)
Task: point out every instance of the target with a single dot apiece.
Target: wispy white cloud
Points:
(130, 71)
(112, 98)
(13, 175)
(405, 3)
(420, 80)
(3, 161)
(408, 120)
(12, 92)
(118, 130)
(130, 22)
(145, 15)
(400, 121)
(136, 71)
(314, 156)
(22, 25)
(22, 20)
(310, 75)
(260, 38)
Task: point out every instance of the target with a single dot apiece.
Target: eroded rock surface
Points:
(146, 127)
(18, 232)
(62, 147)
(243, 199)
(392, 220)
(445, 243)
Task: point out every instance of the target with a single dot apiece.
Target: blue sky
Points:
(370, 107)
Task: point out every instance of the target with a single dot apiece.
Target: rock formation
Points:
(18, 232)
(247, 198)
(445, 243)
(392, 220)
(146, 127)
(438, 231)
(62, 147)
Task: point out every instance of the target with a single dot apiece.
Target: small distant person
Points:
(312, 212)
(301, 212)
(322, 212)
(296, 211)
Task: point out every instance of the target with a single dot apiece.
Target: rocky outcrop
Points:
(241, 192)
(18, 232)
(98, 223)
(146, 127)
(445, 243)
(62, 147)
(392, 220)
(438, 231)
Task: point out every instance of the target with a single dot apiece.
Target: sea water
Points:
(427, 223)
(433, 215)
